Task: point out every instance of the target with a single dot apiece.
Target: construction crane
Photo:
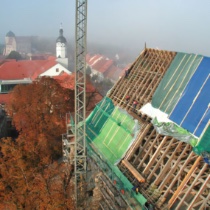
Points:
(74, 142)
(80, 153)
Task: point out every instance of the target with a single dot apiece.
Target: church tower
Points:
(61, 52)
(10, 43)
(61, 45)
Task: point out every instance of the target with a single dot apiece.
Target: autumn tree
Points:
(26, 187)
(92, 95)
(38, 112)
(31, 176)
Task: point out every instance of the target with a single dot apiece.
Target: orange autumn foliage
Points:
(40, 105)
(30, 176)
(23, 186)
(38, 112)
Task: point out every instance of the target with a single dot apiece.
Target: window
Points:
(7, 88)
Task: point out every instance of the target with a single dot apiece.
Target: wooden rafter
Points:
(172, 172)
(193, 168)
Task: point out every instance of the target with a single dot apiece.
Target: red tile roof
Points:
(24, 69)
(94, 59)
(67, 81)
(102, 65)
(105, 66)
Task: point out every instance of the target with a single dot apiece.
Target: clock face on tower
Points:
(60, 44)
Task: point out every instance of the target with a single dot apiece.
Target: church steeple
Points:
(61, 30)
(61, 44)
(61, 52)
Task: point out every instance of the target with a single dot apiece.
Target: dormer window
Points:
(57, 69)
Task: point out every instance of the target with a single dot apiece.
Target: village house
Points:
(103, 67)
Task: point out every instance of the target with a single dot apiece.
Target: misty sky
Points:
(176, 25)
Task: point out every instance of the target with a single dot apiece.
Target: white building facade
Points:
(55, 71)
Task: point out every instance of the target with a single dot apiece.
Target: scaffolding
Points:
(175, 176)
(123, 143)
(80, 154)
(68, 140)
(110, 132)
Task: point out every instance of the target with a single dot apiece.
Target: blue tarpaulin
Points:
(175, 81)
(192, 110)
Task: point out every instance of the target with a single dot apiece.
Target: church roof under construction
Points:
(160, 143)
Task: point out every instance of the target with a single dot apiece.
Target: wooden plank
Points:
(135, 173)
(146, 76)
(206, 203)
(203, 187)
(165, 169)
(178, 174)
(153, 159)
(137, 142)
(154, 77)
(201, 171)
(144, 146)
(168, 175)
(148, 151)
(165, 152)
(184, 182)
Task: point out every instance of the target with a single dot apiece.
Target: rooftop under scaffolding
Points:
(154, 154)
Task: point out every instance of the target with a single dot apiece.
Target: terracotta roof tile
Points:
(102, 65)
(24, 69)
(94, 59)
(67, 81)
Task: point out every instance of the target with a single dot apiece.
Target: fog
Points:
(116, 25)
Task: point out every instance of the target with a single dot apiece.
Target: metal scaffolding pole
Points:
(80, 102)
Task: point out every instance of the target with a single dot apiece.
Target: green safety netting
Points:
(174, 81)
(203, 145)
(111, 130)
(121, 183)
(171, 129)
(98, 117)
(109, 133)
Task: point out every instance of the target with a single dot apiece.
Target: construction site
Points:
(160, 146)
(146, 145)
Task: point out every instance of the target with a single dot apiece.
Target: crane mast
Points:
(80, 153)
